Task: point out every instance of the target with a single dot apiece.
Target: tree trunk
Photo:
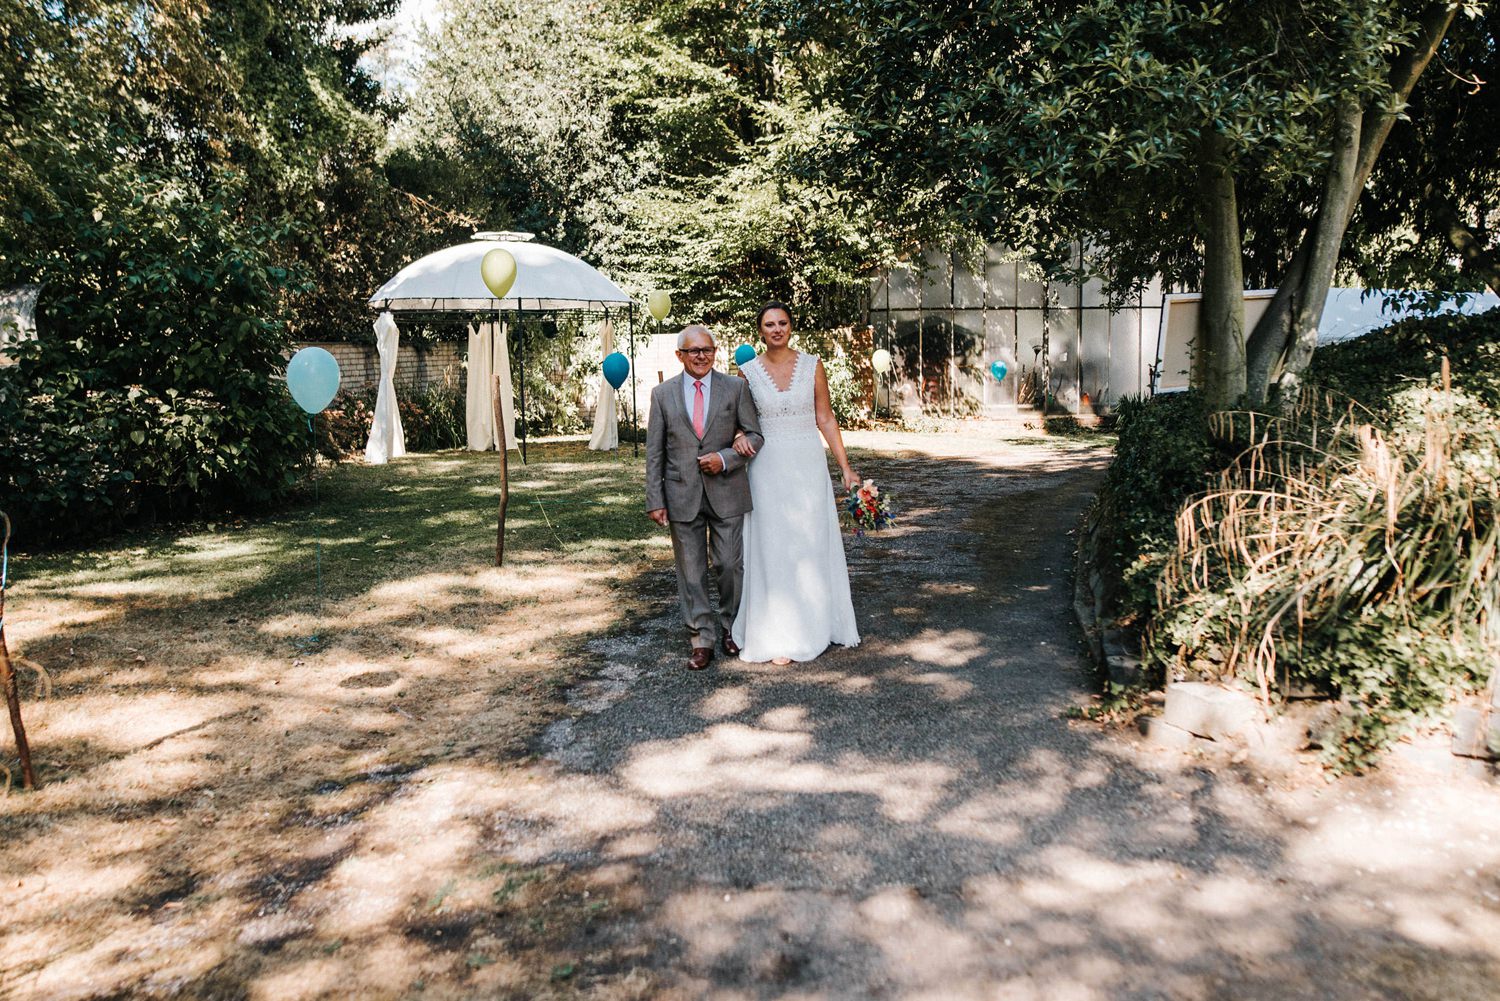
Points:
(1280, 329)
(1219, 355)
(1323, 250)
(1267, 342)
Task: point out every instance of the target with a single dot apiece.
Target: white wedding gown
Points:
(795, 597)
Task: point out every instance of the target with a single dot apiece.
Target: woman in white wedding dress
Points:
(795, 597)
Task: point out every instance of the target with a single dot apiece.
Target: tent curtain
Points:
(479, 417)
(606, 422)
(489, 356)
(501, 367)
(387, 439)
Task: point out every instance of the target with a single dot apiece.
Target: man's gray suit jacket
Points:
(673, 479)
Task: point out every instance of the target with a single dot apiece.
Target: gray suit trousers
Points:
(691, 543)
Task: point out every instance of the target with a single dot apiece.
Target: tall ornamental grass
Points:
(1352, 553)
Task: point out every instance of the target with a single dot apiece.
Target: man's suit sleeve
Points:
(656, 455)
(749, 422)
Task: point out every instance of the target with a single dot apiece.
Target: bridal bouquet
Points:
(867, 509)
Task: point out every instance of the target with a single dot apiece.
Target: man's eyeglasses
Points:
(697, 352)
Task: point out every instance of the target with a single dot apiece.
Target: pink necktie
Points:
(698, 409)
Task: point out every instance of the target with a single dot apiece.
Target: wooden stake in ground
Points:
(502, 446)
(8, 679)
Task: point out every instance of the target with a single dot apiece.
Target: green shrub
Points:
(1372, 369)
(59, 469)
(343, 428)
(560, 361)
(83, 464)
(1351, 546)
(846, 393)
(160, 344)
(1354, 558)
(439, 417)
(432, 418)
(1164, 455)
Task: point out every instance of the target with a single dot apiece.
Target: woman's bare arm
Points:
(829, 425)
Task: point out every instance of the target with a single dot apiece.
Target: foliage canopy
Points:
(1207, 143)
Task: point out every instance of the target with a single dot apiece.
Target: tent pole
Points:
(952, 368)
(921, 324)
(521, 363)
(635, 434)
(1046, 353)
(498, 409)
(497, 414)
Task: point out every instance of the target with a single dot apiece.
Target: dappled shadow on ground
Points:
(914, 819)
(243, 781)
(243, 813)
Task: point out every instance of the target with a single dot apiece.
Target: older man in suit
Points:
(696, 485)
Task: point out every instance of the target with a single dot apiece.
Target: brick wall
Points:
(359, 364)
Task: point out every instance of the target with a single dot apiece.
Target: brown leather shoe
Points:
(729, 646)
(700, 657)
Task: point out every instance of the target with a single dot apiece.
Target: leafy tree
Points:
(1435, 194)
(650, 139)
(166, 173)
(1195, 141)
(508, 126)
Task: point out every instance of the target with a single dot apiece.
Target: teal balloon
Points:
(998, 370)
(616, 369)
(313, 377)
(744, 355)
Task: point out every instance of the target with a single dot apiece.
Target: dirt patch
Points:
(238, 776)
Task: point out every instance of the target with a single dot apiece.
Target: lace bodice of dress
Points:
(785, 412)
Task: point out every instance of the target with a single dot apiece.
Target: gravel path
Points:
(915, 818)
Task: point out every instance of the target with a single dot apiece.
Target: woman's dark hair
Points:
(767, 308)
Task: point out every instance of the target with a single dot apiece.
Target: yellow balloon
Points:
(499, 271)
(881, 360)
(659, 304)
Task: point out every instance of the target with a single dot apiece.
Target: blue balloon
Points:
(313, 377)
(998, 370)
(616, 369)
(744, 355)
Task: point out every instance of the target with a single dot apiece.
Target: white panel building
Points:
(947, 322)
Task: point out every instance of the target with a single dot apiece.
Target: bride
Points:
(795, 597)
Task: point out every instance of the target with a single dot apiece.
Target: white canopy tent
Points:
(449, 282)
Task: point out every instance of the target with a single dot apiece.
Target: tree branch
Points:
(1323, 253)
(1477, 258)
(1408, 68)
(1272, 337)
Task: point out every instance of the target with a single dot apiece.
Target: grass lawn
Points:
(214, 726)
(375, 523)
